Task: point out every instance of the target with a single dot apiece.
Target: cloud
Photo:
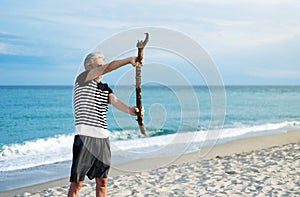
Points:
(226, 23)
(229, 36)
(272, 73)
(235, 25)
(8, 36)
(10, 49)
(239, 2)
(13, 44)
(2, 48)
(235, 31)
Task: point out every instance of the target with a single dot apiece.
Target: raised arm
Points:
(99, 69)
(119, 63)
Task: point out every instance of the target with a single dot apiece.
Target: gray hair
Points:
(90, 58)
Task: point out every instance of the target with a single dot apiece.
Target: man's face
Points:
(99, 61)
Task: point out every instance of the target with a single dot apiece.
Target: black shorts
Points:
(91, 157)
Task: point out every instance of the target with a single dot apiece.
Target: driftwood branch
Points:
(138, 78)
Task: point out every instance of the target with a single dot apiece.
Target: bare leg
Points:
(101, 184)
(74, 189)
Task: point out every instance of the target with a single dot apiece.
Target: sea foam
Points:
(130, 145)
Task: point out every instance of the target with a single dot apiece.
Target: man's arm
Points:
(120, 105)
(106, 68)
(119, 63)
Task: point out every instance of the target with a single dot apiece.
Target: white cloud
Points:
(275, 73)
(239, 2)
(233, 31)
(15, 44)
(231, 35)
(226, 23)
(10, 49)
(224, 28)
(2, 48)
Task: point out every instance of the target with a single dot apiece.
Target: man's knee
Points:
(76, 186)
(101, 182)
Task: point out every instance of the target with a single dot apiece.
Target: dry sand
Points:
(260, 166)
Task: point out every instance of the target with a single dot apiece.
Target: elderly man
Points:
(91, 149)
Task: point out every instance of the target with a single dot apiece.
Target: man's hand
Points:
(135, 63)
(134, 110)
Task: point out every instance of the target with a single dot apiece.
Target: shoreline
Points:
(143, 166)
(229, 148)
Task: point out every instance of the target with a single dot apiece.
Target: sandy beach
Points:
(259, 166)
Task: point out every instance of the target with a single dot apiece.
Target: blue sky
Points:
(252, 42)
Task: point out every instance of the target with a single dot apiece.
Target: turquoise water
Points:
(37, 126)
(29, 113)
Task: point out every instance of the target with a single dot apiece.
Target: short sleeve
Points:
(109, 90)
(106, 88)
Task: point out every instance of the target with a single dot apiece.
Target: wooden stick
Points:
(138, 78)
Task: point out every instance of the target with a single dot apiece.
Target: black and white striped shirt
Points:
(90, 102)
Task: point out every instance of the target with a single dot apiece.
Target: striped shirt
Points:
(90, 102)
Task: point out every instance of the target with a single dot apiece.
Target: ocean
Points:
(37, 125)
